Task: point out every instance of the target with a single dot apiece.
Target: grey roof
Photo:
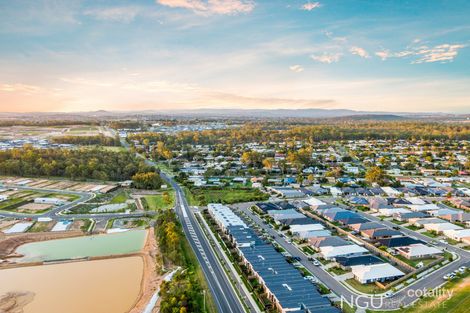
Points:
(332, 241)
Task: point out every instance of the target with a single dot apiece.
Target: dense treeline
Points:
(184, 292)
(87, 140)
(269, 132)
(74, 164)
(148, 180)
(126, 124)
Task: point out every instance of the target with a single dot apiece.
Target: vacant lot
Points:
(203, 196)
(159, 202)
(33, 208)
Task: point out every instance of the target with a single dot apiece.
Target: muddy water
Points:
(104, 286)
(87, 246)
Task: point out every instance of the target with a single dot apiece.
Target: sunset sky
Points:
(74, 55)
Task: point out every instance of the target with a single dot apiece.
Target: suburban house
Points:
(418, 251)
(375, 272)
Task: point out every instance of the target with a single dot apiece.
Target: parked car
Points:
(316, 263)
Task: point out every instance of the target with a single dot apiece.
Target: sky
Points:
(78, 55)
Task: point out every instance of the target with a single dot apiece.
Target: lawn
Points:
(416, 261)
(365, 288)
(308, 250)
(337, 271)
(430, 234)
(413, 227)
(227, 195)
(121, 197)
(158, 202)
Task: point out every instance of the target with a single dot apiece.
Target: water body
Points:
(103, 286)
(79, 247)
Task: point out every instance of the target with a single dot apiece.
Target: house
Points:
(397, 242)
(442, 212)
(440, 227)
(457, 234)
(418, 251)
(330, 252)
(380, 233)
(313, 202)
(406, 216)
(423, 207)
(333, 241)
(306, 227)
(391, 192)
(353, 220)
(392, 211)
(3, 198)
(53, 201)
(345, 262)
(377, 202)
(266, 206)
(335, 191)
(358, 201)
(313, 233)
(363, 226)
(286, 192)
(375, 272)
(460, 203)
(280, 215)
(420, 222)
(457, 217)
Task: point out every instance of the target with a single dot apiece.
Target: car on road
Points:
(316, 263)
(446, 276)
(462, 269)
(388, 294)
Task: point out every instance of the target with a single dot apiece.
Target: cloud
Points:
(327, 57)
(124, 14)
(296, 68)
(442, 53)
(359, 51)
(23, 88)
(424, 54)
(210, 7)
(310, 6)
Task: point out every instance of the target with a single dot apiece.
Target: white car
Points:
(316, 263)
(462, 269)
(388, 294)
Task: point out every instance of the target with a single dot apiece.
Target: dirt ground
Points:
(150, 280)
(33, 207)
(5, 224)
(14, 302)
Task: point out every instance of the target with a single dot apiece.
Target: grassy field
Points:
(459, 302)
(157, 202)
(203, 196)
(121, 197)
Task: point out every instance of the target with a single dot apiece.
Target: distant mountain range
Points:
(243, 114)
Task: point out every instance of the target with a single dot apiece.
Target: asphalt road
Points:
(222, 290)
(404, 297)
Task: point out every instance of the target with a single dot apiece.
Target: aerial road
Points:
(223, 292)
